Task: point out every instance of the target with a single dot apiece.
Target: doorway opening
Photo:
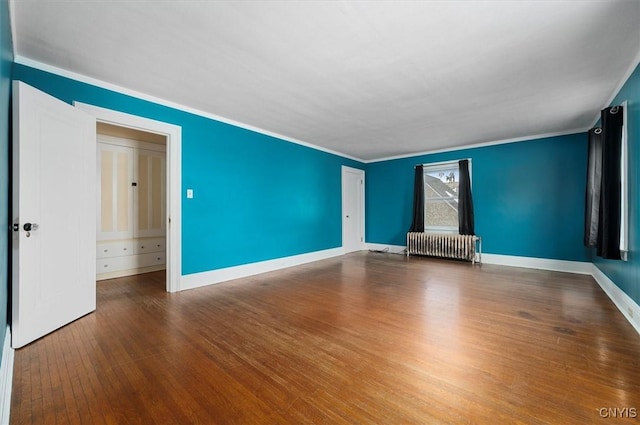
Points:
(352, 209)
(131, 206)
(159, 136)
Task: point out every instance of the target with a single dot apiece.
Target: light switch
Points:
(189, 193)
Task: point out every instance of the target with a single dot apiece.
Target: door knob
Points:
(29, 227)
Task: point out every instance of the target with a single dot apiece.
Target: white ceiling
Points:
(366, 79)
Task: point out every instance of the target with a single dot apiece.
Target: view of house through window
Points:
(441, 196)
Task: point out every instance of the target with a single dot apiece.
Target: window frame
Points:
(435, 167)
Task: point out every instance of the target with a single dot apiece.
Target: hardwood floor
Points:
(361, 339)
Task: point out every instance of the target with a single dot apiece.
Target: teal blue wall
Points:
(528, 197)
(256, 197)
(6, 59)
(627, 274)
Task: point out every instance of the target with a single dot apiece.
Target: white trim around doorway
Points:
(173, 134)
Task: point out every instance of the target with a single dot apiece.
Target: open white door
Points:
(352, 209)
(53, 252)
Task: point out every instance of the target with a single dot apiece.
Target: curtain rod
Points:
(614, 110)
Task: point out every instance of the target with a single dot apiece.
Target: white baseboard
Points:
(578, 267)
(197, 280)
(130, 272)
(391, 249)
(625, 304)
(6, 377)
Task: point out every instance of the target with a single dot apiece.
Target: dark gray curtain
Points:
(417, 225)
(465, 201)
(592, 194)
(608, 245)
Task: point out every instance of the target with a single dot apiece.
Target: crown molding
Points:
(123, 90)
(480, 145)
(128, 92)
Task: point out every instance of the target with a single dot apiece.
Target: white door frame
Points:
(173, 134)
(359, 172)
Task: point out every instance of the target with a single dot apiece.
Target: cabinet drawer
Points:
(114, 249)
(143, 246)
(129, 262)
(106, 265)
(150, 259)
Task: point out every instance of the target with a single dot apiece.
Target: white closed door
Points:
(352, 209)
(53, 247)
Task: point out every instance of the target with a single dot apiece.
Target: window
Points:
(441, 183)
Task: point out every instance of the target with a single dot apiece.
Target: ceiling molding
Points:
(122, 90)
(128, 92)
(481, 145)
(125, 91)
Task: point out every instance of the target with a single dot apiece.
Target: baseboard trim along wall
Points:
(6, 377)
(197, 280)
(625, 304)
(578, 267)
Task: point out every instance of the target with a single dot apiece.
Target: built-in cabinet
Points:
(131, 207)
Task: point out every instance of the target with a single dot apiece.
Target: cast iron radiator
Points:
(462, 247)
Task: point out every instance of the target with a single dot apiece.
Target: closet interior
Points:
(131, 213)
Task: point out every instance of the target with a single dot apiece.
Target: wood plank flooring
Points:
(361, 339)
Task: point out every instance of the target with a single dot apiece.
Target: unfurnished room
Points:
(320, 212)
